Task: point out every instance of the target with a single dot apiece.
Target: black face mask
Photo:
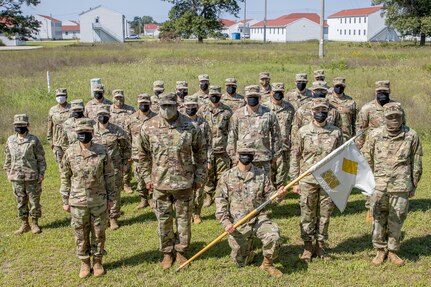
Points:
(319, 94)
(204, 86)
(278, 96)
(182, 94)
(191, 111)
(252, 101)
(77, 115)
(85, 137)
(301, 86)
(98, 96)
(144, 108)
(231, 90)
(320, 79)
(157, 93)
(103, 119)
(246, 159)
(382, 98)
(320, 117)
(339, 90)
(21, 130)
(215, 99)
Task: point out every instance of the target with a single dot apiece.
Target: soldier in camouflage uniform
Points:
(371, 116)
(120, 113)
(255, 122)
(69, 135)
(218, 115)
(314, 142)
(57, 115)
(231, 98)
(345, 105)
(87, 191)
(394, 153)
(99, 100)
(191, 109)
(158, 88)
(177, 167)
(118, 145)
(181, 92)
(300, 95)
(133, 130)
(239, 191)
(25, 168)
(304, 115)
(204, 84)
(284, 112)
(264, 85)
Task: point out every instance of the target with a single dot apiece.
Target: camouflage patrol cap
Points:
(339, 81)
(158, 85)
(118, 93)
(264, 75)
(319, 85)
(77, 105)
(84, 125)
(277, 87)
(20, 120)
(392, 108)
(191, 100)
(183, 85)
(383, 85)
(167, 99)
(246, 147)
(61, 92)
(99, 88)
(215, 90)
(103, 110)
(203, 77)
(231, 82)
(252, 90)
(144, 98)
(319, 102)
(301, 77)
(319, 73)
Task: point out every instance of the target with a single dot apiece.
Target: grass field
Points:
(48, 259)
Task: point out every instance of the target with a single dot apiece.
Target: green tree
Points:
(198, 18)
(409, 17)
(13, 22)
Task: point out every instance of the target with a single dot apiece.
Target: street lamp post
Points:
(322, 29)
(264, 24)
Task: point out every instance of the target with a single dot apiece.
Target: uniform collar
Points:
(259, 111)
(246, 176)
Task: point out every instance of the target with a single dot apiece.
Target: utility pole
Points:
(264, 25)
(245, 19)
(322, 29)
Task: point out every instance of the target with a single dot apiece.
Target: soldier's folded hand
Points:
(281, 193)
(110, 204)
(230, 228)
(41, 178)
(197, 186)
(149, 185)
(296, 189)
(66, 207)
(412, 194)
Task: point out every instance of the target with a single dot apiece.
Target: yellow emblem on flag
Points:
(330, 179)
(350, 166)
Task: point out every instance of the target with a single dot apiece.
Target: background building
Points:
(70, 29)
(151, 30)
(360, 25)
(50, 28)
(101, 24)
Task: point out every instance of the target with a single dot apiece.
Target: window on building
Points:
(341, 20)
(67, 33)
(341, 32)
(354, 32)
(345, 32)
(350, 20)
(365, 19)
(345, 20)
(350, 32)
(359, 31)
(365, 32)
(354, 20)
(359, 20)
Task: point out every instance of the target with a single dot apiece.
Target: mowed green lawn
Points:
(133, 257)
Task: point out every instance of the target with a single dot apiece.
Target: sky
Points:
(158, 9)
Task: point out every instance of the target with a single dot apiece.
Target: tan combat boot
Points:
(180, 258)
(168, 260)
(113, 224)
(25, 227)
(143, 203)
(127, 188)
(208, 201)
(270, 268)
(197, 219)
(321, 252)
(380, 257)
(395, 259)
(369, 216)
(308, 252)
(85, 270)
(35, 229)
(98, 269)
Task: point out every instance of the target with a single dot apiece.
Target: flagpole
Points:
(270, 200)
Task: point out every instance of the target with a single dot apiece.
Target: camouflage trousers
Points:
(389, 213)
(127, 175)
(140, 188)
(280, 170)
(198, 200)
(241, 240)
(266, 166)
(165, 201)
(58, 155)
(316, 209)
(27, 195)
(221, 162)
(88, 221)
(115, 210)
